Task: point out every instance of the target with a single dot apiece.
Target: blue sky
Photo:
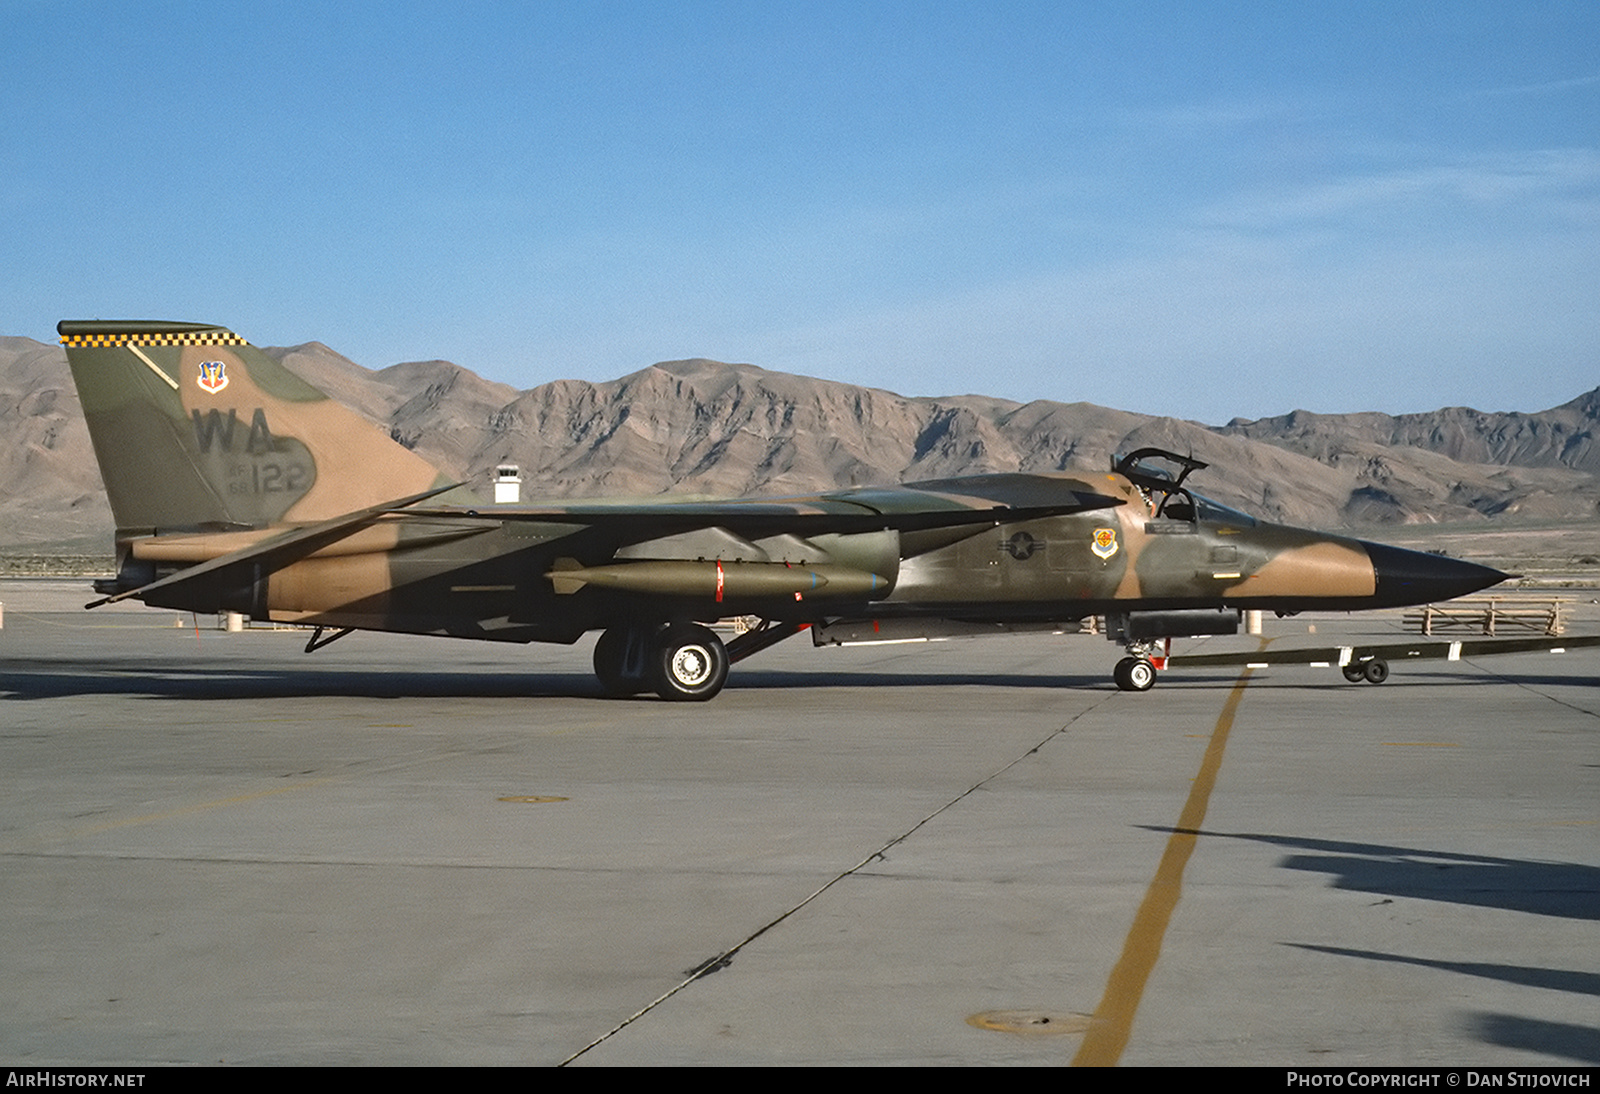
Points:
(1204, 210)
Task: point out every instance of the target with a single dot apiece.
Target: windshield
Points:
(1221, 514)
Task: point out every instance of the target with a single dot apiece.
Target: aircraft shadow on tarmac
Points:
(1532, 976)
(1567, 1040)
(55, 681)
(177, 682)
(164, 679)
(1566, 890)
(1563, 1039)
(1560, 889)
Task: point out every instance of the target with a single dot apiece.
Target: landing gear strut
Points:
(681, 662)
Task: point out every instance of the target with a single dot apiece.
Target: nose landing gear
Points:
(1134, 674)
(1137, 671)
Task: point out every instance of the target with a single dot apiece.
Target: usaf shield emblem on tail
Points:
(212, 377)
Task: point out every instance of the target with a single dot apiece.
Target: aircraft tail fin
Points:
(196, 429)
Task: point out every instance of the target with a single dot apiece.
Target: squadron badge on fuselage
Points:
(1105, 542)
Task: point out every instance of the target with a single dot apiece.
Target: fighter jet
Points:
(237, 486)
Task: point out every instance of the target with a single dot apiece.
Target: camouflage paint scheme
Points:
(237, 486)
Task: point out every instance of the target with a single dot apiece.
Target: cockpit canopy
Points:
(1160, 474)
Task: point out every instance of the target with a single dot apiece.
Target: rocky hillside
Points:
(706, 427)
(1562, 439)
(50, 492)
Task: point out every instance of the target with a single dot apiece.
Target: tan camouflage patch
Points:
(1325, 569)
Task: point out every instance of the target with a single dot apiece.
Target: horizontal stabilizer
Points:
(281, 550)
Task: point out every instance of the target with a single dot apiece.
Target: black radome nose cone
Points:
(1411, 577)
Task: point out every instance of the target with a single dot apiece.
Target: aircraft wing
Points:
(902, 509)
(278, 551)
(1429, 650)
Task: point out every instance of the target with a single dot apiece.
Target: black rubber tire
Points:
(609, 654)
(1355, 671)
(1134, 674)
(1375, 671)
(690, 664)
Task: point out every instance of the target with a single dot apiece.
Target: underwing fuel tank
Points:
(717, 581)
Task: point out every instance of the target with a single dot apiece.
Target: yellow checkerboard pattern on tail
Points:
(185, 338)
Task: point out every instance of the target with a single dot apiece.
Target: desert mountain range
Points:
(705, 427)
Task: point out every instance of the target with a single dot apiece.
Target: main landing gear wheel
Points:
(611, 663)
(1134, 674)
(690, 664)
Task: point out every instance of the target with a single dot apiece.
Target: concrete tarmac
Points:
(217, 849)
